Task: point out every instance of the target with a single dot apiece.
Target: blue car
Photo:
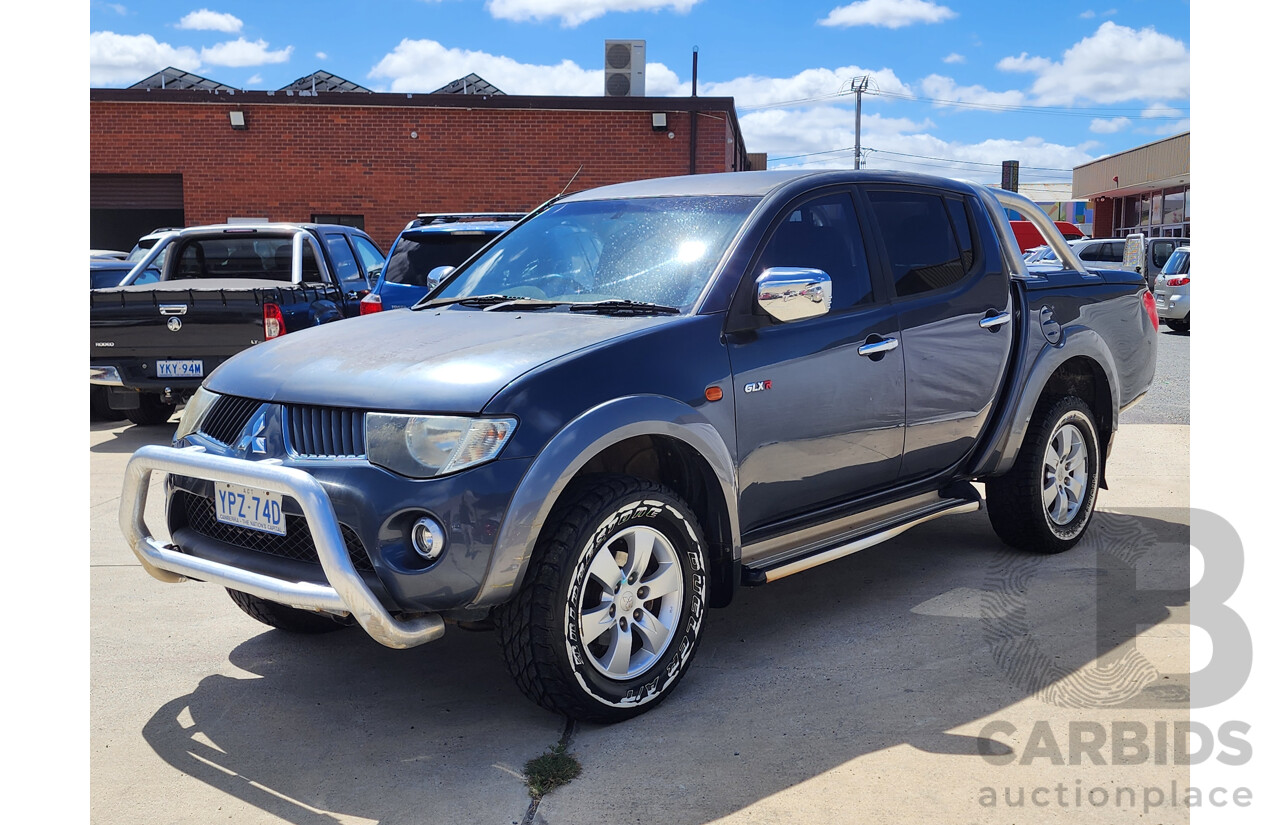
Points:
(429, 242)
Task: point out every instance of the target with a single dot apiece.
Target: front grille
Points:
(325, 432)
(295, 544)
(227, 417)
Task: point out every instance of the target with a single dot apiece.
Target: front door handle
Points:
(994, 321)
(876, 346)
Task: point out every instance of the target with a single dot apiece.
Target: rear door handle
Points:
(878, 347)
(994, 322)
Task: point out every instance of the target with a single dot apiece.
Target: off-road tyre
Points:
(283, 617)
(151, 410)
(1017, 501)
(597, 522)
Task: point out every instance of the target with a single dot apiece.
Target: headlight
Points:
(422, 446)
(192, 414)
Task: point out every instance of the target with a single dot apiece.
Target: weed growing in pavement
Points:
(551, 770)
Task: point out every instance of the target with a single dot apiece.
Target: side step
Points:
(956, 498)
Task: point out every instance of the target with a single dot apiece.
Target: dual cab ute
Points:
(641, 398)
(199, 295)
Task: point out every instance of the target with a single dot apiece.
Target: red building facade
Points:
(180, 157)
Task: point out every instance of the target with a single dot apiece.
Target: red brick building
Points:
(166, 157)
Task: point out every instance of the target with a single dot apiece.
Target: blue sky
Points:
(955, 86)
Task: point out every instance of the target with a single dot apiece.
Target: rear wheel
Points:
(282, 616)
(1179, 324)
(151, 410)
(1044, 504)
(612, 606)
(99, 408)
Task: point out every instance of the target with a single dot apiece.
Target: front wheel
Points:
(1044, 503)
(613, 603)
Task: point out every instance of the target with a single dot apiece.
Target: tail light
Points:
(272, 322)
(370, 303)
(1149, 301)
(1179, 281)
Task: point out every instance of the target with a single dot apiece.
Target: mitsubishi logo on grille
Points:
(175, 324)
(253, 438)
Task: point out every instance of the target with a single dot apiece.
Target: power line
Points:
(1065, 111)
(1061, 111)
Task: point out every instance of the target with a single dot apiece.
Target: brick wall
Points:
(295, 160)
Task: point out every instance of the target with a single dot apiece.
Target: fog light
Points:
(428, 538)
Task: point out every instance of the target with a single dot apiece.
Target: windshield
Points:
(417, 253)
(141, 249)
(1179, 263)
(651, 250)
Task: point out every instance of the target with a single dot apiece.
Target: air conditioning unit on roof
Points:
(624, 68)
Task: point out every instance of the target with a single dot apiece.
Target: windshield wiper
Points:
(623, 307)
(516, 304)
(470, 301)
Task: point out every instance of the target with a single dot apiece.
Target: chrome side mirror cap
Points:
(438, 274)
(789, 293)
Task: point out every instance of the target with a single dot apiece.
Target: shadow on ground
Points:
(896, 645)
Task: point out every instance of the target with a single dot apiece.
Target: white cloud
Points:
(755, 91)
(576, 12)
(890, 14)
(241, 52)
(954, 57)
(118, 8)
(1115, 64)
(425, 65)
(124, 59)
(322, 56)
(256, 80)
(1109, 125)
(815, 133)
(211, 21)
(1088, 15)
(944, 90)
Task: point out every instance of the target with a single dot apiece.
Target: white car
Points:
(1173, 291)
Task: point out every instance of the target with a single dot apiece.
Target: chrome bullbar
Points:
(346, 592)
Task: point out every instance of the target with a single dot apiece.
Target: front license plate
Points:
(249, 507)
(180, 369)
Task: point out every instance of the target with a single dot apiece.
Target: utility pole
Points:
(859, 86)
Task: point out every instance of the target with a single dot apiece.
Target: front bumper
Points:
(346, 592)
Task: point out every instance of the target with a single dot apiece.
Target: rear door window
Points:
(344, 260)
(926, 252)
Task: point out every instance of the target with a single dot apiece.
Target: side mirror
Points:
(438, 274)
(790, 293)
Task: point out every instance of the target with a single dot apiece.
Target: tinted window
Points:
(344, 260)
(244, 257)
(417, 254)
(370, 255)
(823, 234)
(964, 236)
(1179, 263)
(1091, 252)
(1160, 252)
(924, 253)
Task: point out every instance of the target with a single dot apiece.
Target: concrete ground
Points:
(934, 678)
